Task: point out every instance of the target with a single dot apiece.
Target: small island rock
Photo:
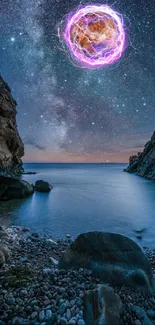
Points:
(42, 186)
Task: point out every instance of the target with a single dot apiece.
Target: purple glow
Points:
(106, 49)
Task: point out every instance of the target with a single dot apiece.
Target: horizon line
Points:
(73, 162)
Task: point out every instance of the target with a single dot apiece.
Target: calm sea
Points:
(86, 197)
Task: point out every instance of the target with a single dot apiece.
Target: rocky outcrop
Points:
(113, 258)
(11, 188)
(11, 146)
(144, 163)
(42, 186)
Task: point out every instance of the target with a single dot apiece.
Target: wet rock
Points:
(42, 186)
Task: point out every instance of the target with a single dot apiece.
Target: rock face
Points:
(42, 186)
(11, 146)
(102, 306)
(113, 258)
(11, 188)
(144, 163)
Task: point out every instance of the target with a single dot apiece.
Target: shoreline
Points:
(34, 291)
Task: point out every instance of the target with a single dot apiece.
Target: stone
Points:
(53, 261)
(151, 313)
(72, 321)
(41, 315)
(62, 308)
(14, 188)
(113, 258)
(68, 314)
(50, 242)
(11, 145)
(143, 164)
(2, 259)
(48, 314)
(63, 321)
(142, 316)
(137, 322)
(81, 322)
(3, 233)
(102, 306)
(11, 301)
(42, 186)
(34, 315)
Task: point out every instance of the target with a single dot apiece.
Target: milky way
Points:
(70, 114)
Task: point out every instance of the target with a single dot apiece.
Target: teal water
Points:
(87, 197)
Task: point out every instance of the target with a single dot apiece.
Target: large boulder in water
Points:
(12, 188)
(113, 258)
(42, 186)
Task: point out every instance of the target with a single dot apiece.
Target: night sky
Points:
(66, 113)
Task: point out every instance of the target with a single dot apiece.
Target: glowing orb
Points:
(95, 35)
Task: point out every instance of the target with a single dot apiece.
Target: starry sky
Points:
(70, 114)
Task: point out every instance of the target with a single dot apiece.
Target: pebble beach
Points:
(34, 291)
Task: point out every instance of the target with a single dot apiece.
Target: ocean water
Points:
(86, 197)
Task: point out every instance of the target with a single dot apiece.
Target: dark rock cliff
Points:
(11, 145)
(144, 163)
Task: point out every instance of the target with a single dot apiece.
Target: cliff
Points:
(11, 145)
(144, 163)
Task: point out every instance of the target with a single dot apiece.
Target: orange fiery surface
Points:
(93, 30)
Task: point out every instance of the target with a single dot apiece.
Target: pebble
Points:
(137, 322)
(34, 315)
(48, 314)
(62, 308)
(63, 321)
(11, 301)
(72, 321)
(68, 314)
(53, 261)
(41, 316)
(81, 322)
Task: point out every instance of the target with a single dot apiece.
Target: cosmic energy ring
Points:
(94, 35)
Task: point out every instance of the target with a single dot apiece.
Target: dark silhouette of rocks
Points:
(42, 186)
(12, 188)
(11, 145)
(144, 163)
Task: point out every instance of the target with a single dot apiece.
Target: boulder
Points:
(113, 258)
(102, 306)
(11, 188)
(42, 186)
